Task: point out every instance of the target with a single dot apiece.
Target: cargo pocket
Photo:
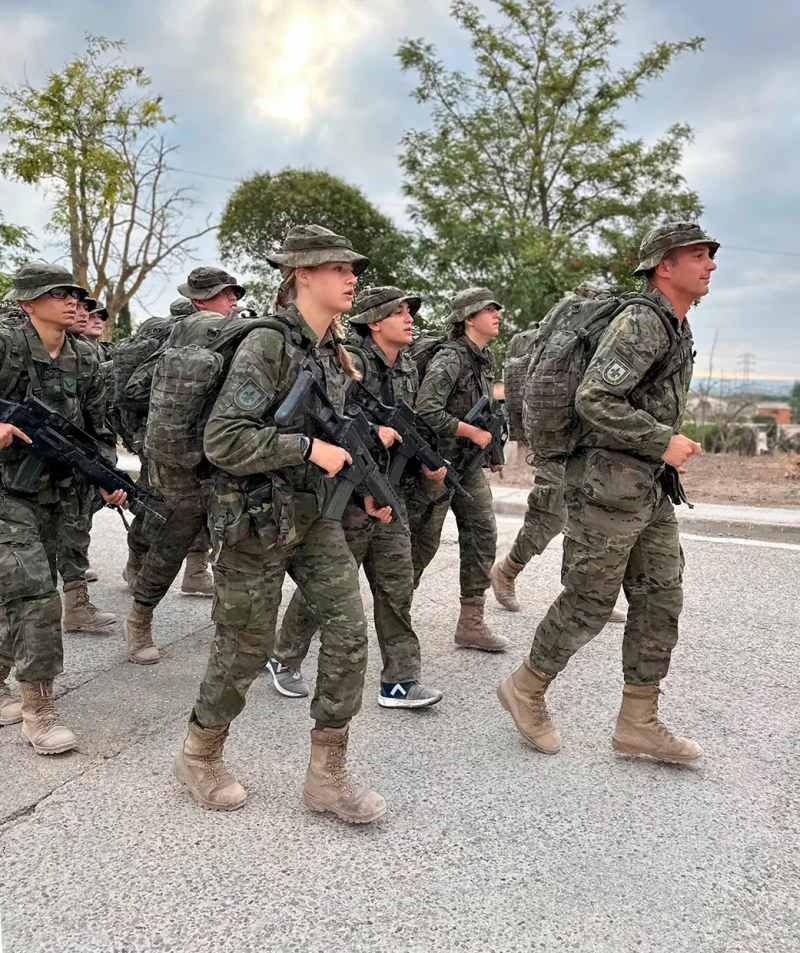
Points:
(618, 481)
(24, 566)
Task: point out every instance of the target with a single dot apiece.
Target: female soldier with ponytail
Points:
(259, 540)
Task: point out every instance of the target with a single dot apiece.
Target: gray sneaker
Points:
(407, 695)
(288, 681)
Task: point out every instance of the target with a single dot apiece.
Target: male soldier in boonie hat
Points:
(377, 304)
(308, 245)
(469, 302)
(38, 278)
(663, 239)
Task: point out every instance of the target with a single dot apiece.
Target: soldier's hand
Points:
(8, 432)
(481, 438)
(435, 476)
(679, 450)
(117, 498)
(388, 436)
(328, 457)
(383, 513)
(496, 467)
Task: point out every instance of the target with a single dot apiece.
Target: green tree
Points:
(794, 400)
(524, 179)
(15, 248)
(262, 209)
(90, 137)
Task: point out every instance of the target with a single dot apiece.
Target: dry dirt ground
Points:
(719, 478)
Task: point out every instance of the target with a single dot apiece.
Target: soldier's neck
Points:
(479, 340)
(680, 302)
(389, 351)
(51, 335)
(317, 317)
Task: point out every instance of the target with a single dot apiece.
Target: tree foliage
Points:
(262, 209)
(90, 137)
(525, 179)
(15, 248)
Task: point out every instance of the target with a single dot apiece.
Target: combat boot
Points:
(618, 616)
(504, 576)
(200, 767)
(472, 632)
(640, 731)
(40, 726)
(329, 785)
(197, 580)
(132, 569)
(91, 575)
(80, 613)
(522, 696)
(138, 634)
(10, 706)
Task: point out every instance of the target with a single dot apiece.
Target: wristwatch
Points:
(305, 446)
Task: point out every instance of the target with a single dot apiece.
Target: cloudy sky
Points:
(261, 84)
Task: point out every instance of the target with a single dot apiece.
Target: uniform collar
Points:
(402, 365)
(38, 350)
(482, 355)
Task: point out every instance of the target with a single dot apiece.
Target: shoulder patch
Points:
(616, 371)
(249, 395)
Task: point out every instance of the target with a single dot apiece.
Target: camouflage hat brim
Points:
(461, 314)
(647, 264)
(204, 294)
(36, 292)
(311, 257)
(385, 310)
(101, 313)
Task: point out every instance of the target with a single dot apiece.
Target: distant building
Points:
(781, 412)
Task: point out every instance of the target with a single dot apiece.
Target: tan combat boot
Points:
(91, 575)
(639, 730)
(472, 632)
(141, 648)
(80, 613)
(330, 787)
(200, 767)
(618, 616)
(522, 696)
(503, 576)
(197, 580)
(10, 706)
(40, 726)
(132, 569)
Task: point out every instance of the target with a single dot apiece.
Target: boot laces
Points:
(46, 709)
(538, 708)
(337, 766)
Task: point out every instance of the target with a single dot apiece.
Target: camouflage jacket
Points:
(241, 437)
(388, 382)
(458, 375)
(71, 383)
(634, 343)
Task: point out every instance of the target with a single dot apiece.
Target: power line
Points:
(207, 175)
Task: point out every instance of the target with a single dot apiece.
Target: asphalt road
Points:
(488, 845)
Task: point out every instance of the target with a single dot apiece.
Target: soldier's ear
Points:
(373, 325)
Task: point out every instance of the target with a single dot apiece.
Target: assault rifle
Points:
(57, 443)
(351, 432)
(481, 416)
(419, 440)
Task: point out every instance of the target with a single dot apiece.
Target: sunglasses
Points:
(61, 294)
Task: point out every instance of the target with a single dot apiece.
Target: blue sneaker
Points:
(407, 695)
(288, 681)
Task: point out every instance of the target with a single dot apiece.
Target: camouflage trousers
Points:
(249, 576)
(30, 601)
(621, 531)
(143, 530)
(384, 549)
(477, 531)
(78, 506)
(546, 513)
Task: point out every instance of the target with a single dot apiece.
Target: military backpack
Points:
(515, 371)
(131, 354)
(565, 344)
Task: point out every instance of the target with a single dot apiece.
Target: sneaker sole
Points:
(321, 807)
(620, 747)
(208, 805)
(283, 691)
(404, 703)
(531, 742)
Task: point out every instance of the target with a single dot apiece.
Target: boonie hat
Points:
(663, 238)
(377, 304)
(308, 245)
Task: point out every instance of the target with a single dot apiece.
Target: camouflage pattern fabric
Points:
(621, 530)
(38, 277)
(377, 304)
(306, 246)
(664, 238)
(79, 503)
(469, 302)
(258, 542)
(546, 513)
(206, 282)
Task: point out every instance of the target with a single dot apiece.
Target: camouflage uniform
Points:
(185, 528)
(621, 528)
(384, 549)
(458, 375)
(71, 383)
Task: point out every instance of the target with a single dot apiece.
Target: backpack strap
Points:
(657, 370)
(13, 361)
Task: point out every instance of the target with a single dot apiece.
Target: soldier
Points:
(213, 293)
(259, 542)
(546, 514)
(458, 375)
(39, 357)
(621, 527)
(382, 326)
